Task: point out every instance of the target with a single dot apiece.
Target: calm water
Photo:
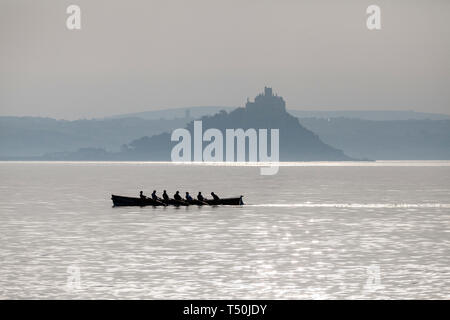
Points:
(311, 231)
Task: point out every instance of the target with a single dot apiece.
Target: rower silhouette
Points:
(154, 196)
(188, 197)
(165, 196)
(215, 196)
(141, 195)
(177, 196)
(200, 197)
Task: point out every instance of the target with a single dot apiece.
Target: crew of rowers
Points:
(176, 196)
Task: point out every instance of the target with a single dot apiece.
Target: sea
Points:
(316, 230)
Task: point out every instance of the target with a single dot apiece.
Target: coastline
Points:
(371, 163)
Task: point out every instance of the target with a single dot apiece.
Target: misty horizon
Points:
(141, 56)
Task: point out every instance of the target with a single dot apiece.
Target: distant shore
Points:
(368, 163)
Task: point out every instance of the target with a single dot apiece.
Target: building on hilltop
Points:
(267, 101)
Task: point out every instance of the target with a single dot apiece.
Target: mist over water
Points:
(314, 230)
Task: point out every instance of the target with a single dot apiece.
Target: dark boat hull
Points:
(120, 201)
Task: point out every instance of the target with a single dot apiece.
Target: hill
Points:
(385, 140)
(378, 115)
(267, 112)
(23, 137)
(174, 113)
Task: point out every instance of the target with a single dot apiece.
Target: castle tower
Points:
(267, 101)
(268, 92)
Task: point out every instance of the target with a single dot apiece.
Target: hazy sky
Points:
(144, 55)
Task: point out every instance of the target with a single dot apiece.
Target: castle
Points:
(267, 101)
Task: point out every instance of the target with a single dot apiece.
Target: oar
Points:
(160, 202)
(180, 202)
(204, 201)
(184, 202)
(173, 202)
(196, 202)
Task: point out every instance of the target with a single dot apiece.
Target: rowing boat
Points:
(120, 201)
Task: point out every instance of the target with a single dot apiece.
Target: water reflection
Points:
(49, 222)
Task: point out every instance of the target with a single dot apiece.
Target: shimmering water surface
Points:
(312, 231)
